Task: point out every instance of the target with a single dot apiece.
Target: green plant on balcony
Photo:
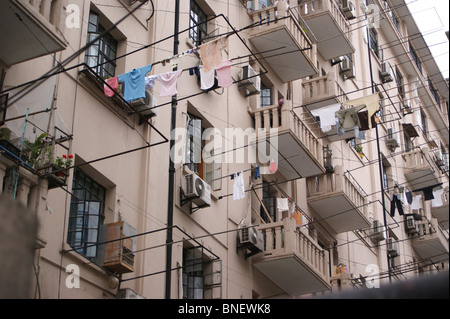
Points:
(359, 149)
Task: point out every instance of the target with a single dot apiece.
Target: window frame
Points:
(80, 220)
(197, 23)
(102, 54)
(373, 40)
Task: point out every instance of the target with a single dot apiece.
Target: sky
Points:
(432, 17)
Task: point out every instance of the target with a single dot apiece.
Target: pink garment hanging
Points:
(273, 167)
(224, 74)
(114, 84)
(169, 83)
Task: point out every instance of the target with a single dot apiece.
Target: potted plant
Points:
(359, 150)
(62, 163)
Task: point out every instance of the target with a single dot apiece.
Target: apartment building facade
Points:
(254, 198)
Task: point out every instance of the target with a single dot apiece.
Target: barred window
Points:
(198, 29)
(102, 54)
(86, 214)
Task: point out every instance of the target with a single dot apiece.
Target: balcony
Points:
(30, 29)
(299, 151)
(431, 244)
(339, 201)
(292, 260)
(322, 91)
(329, 26)
(421, 171)
(284, 45)
(441, 212)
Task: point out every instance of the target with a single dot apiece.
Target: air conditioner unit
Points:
(145, 105)
(347, 68)
(249, 81)
(411, 225)
(349, 9)
(392, 141)
(118, 252)
(386, 73)
(251, 238)
(392, 247)
(197, 191)
(378, 231)
(407, 107)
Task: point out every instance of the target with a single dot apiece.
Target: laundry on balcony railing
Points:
(357, 115)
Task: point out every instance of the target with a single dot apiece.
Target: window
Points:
(407, 141)
(266, 95)
(202, 277)
(210, 170)
(86, 214)
(194, 145)
(374, 42)
(261, 4)
(424, 125)
(193, 278)
(102, 54)
(198, 26)
(270, 203)
(385, 178)
(435, 93)
(400, 83)
(415, 57)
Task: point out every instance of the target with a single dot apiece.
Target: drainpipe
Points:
(380, 165)
(169, 240)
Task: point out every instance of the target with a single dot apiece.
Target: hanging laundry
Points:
(207, 79)
(437, 201)
(238, 187)
(347, 119)
(273, 167)
(150, 82)
(409, 197)
(224, 74)
(417, 202)
(169, 83)
(257, 172)
(327, 116)
(194, 71)
(113, 84)
(364, 120)
(282, 204)
(211, 53)
(372, 103)
(396, 202)
(134, 83)
(427, 191)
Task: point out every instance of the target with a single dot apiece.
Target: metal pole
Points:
(380, 164)
(170, 203)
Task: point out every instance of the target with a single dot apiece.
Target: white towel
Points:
(437, 201)
(327, 116)
(206, 78)
(282, 204)
(417, 202)
(238, 187)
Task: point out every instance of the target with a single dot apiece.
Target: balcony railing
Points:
(322, 91)
(284, 242)
(33, 29)
(49, 9)
(282, 32)
(431, 243)
(339, 200)
(330, 27)
(288, 123)
(421, 170)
